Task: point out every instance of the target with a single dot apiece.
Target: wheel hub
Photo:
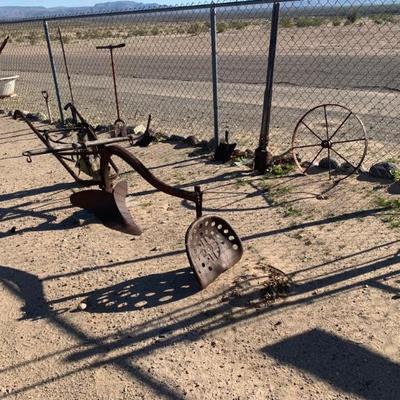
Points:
(326, 144)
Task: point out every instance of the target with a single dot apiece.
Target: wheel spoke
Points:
(348, 162)
(312, 162)
(311, 130)
(348, 141)
(327, 138)
(306, 146)
(326, 123)
(340, 126)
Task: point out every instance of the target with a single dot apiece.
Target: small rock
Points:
(192, 140)
(12, 230)
(383, 170)
(104, 128)
(139, 129)
(32, 117)
(82, 306)
(176, 138)
(346, 168)
(324, 163)
(248, 153)
(211, 144)
(204, 144)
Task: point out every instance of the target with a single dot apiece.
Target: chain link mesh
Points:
(328, 52)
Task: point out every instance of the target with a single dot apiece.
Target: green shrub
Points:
(154, 30)
(352, 17)
(238, 25)
(194, 28)
(336, 21)
(303, 22)
(221, 27)
(286, 22)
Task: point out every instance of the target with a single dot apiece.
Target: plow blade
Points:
(212, 247)
(109, 208)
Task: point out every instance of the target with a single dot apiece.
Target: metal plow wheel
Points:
(329, 138)
(212, 247)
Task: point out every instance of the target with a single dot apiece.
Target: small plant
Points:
(194, 28)
(279, 170)
(303, 22)
(336, 21)
(155, 31)
(395, 175)
(352, 17)
(286, 22)
(392, 219)
(292, 212)
(221, 27)
(238, 25)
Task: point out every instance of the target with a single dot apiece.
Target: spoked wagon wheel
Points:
(329, 138)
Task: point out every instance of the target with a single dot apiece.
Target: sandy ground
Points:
(149, 332)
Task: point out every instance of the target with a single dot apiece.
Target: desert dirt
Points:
(149, 332)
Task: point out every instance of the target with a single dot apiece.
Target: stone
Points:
(42, 117)
(32, 117)
(324, 163)
(139, 129)
(176, 138)
(383, 170)
(204, 144)
(192, 140)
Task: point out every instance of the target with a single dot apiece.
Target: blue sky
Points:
(70, 3)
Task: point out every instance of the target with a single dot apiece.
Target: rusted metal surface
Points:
(109, 208)
(3, 44)
(119, 124)
(330, 141)
(45, 95)
(212, 247)
(146, 138)
(224, 150)
(60, 37)
(138, 166)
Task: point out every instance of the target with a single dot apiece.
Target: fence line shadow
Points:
(343, 364)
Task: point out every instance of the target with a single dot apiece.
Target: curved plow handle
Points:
(137, 165)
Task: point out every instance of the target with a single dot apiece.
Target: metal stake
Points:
(214, 67)
(66, 66)
(53, 70)
(262, 155)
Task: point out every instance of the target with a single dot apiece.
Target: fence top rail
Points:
(149, 10)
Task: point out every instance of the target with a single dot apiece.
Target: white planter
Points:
(7, 86)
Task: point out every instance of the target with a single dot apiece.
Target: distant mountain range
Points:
(12, 12)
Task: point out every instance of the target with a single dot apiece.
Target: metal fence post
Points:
(53, 70)
(214, 67)
(262, 155)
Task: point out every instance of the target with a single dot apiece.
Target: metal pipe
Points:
(214, 68)
(262, 154)
(66, 66)
(53, 70)
(115, 83)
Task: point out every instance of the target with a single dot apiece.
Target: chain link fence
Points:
(343, 52)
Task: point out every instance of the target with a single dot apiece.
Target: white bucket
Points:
(7, 86)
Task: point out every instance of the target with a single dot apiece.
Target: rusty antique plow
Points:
(212, 245)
